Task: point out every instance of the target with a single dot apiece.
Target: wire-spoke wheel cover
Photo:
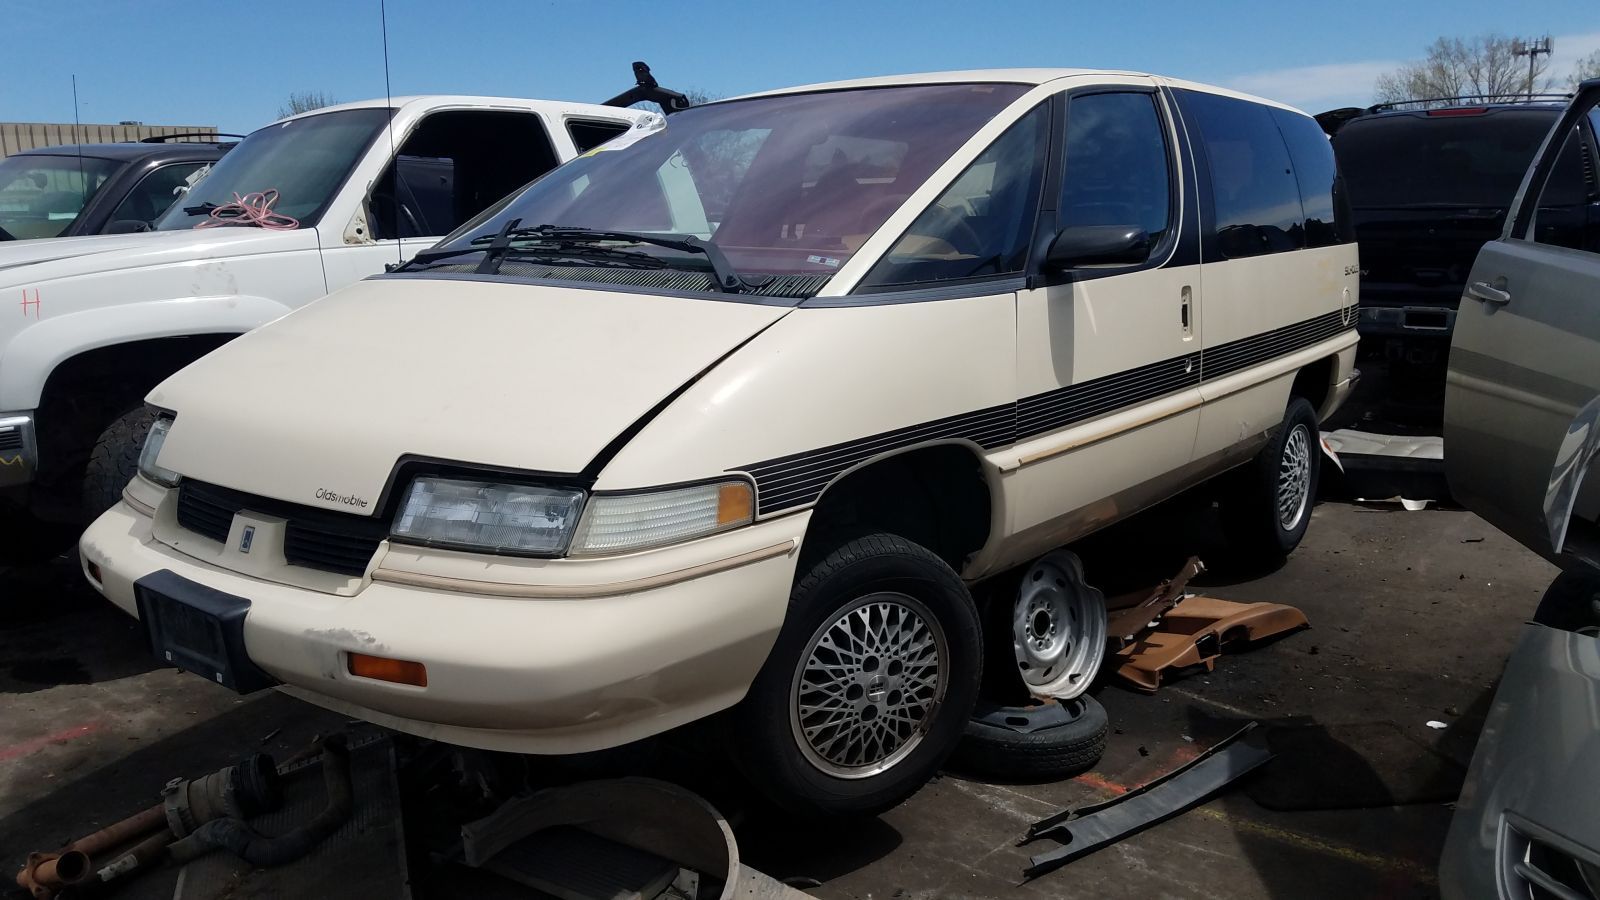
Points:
(869, 685)
(1294, 478)
(1058, 628)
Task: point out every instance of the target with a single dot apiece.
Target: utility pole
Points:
(1532, 50)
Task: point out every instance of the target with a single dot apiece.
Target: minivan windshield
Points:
(41, 196)
(305, 160)
(1466, 160)
(784, 184)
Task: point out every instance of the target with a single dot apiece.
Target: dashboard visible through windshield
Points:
(783, 184)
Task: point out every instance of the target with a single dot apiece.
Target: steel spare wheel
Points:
(868, 685)
(1058, 628)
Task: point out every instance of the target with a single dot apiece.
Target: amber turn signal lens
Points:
(733, 503)
(382, 668)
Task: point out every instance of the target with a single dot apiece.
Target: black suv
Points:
(1429, 182)
(79, 189)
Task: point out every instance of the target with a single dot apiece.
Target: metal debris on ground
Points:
(144, 839)
(1137, 611)
(1085, 829)
(1194, 632)
(340, 814)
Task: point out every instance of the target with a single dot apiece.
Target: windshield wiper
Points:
(203, 209)
(570, 240)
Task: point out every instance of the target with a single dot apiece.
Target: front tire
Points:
(115, 460)
(869, 685)
(1266, 506)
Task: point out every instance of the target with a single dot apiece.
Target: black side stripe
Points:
(799, 479)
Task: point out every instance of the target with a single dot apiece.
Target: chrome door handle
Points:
(1487, 293)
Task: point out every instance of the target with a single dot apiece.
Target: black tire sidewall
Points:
(1251, 514)
(1050, 753)
(763, 740)
(115, 460)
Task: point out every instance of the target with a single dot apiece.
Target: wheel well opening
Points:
(84, 393)
(1314, 382)
(935, 496)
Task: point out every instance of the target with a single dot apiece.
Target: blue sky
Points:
(232, 64)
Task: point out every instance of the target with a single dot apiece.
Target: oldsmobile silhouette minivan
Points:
(727, 417)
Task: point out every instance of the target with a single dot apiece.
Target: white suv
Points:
(731, 414)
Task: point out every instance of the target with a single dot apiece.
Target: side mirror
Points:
(128, 226)
(1087, 245)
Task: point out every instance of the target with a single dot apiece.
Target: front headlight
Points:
(615, 523)
(476, 515)
(152, 449)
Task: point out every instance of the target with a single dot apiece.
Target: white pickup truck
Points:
(89, 325)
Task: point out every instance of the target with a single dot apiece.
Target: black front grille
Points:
(11, 439)
(314, 538)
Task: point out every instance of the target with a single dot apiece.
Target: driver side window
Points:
(983, 223)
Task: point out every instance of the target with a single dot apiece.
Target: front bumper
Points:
(528, 656)
(19, 449)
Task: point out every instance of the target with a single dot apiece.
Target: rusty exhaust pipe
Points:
(46, 873)
(244, 789)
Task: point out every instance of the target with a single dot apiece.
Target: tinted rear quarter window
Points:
(1254, 192)
(1321, 191)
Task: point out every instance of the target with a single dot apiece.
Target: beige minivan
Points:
(732, 412)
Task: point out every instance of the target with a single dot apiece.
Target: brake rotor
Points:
(1058, 628)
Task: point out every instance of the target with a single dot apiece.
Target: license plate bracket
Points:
(199, 629)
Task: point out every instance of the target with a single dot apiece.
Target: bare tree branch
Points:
(1586, 68)
(305, 101)
(1456, 67)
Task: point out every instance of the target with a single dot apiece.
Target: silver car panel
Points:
(1522, 399)
(1534, 775)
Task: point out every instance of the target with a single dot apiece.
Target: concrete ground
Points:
(1412, 616)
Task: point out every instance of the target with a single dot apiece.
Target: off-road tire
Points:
(115, 460)
(759, 730)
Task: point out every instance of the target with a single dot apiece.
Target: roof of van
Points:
(1013, 76)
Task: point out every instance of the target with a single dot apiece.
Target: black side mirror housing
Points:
(128, 226)
(1088, 245)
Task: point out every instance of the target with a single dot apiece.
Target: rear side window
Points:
(589, 135)
(1254, 191)
(1318, 177)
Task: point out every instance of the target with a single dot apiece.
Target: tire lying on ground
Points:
(1045, 742)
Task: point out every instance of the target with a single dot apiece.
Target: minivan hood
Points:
(318, 406)
(33, 262)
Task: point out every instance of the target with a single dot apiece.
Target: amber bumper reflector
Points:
(382, 668)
